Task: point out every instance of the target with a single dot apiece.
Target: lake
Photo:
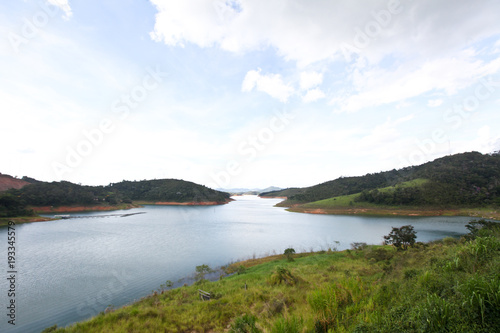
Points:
(70, 270)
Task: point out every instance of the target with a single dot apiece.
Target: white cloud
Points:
(377, 86)
(272, 84)
(313, 95)
(64, 6)
(309, 33)
(433, 103)
(486, 141)
(408, 49)
(310, 80)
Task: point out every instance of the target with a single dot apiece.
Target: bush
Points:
(401, 238)
(288, 325)
(481, 228)
(410, 273)
(289, 254)
(437, 314)
(379, 254)
(358, 245)
(244, 324)
(201, 271)
(283, 275)
(481, 299)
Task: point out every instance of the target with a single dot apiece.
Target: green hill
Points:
(14, 202)
(461, 180)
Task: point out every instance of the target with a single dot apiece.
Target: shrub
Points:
(244, 324)
(201, 271)
(481, 298)
(437, 314)
(401, 238)
(358, 245)
(410, 273)
(379, 254)
(283, 275)
(289, 253)
(481, 228)
(288, 325)
(478, 251)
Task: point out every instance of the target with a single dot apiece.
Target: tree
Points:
(401, 238)
(289, 253)
(201, 271)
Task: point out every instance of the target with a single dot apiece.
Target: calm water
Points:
(70, 270)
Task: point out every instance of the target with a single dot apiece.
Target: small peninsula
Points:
(465, 184)
(26, 197)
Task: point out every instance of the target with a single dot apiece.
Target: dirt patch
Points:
(397, 212)
(7, 182)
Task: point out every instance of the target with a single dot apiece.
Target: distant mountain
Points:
(468, 179)
(253, 191)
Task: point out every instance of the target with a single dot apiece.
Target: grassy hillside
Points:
(364, 204)
(354, 199)
(461, 180)
(450, 285)
(288, 192)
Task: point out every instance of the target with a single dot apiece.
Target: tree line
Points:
(461, 179)
(14, 202)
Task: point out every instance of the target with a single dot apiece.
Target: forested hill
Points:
(65, 193)
(462, 179)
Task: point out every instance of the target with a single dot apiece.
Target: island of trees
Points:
(22, 201)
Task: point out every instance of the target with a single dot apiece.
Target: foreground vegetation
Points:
(451, 285)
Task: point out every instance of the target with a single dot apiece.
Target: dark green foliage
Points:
(12, 206)
(410, 273)
(289, 254)
(288, 325)
(241, 270)
(481, 227)
(244, 324)
(468, 179)
(379, 254)
(283, 275)
(359, 246)
(401, 238)
(201, 271)
(67, 194)
(400, 196)
(168, 190)
(60, 194)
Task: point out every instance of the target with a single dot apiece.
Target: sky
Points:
(244, 93)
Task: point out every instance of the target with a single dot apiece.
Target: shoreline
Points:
(135, 204)
(76, 209)
(470, 212)
(187, 203)
(97, 208)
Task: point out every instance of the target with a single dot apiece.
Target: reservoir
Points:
(70, 270)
